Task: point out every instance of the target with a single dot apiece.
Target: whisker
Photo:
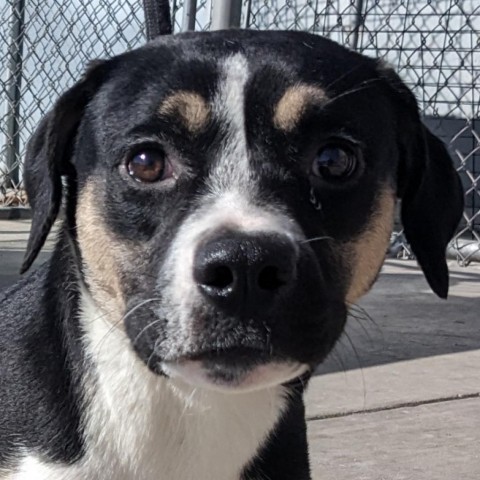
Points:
(122, 319)
(360, 87)
(112, 328)
(355, 351)
(315, 239)
(154, 352)
(362, 328)
(334, 357)
(359, 313)
(150, 358)
(341, 77)
(337, 356)
(136, 307)
(151, 324)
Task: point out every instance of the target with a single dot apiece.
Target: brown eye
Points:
(333, 162)
(149, 166)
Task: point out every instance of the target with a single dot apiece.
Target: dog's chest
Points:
(139, 426)
(151, 431)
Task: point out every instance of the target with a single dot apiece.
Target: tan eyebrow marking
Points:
(191, 108)
(292, 105)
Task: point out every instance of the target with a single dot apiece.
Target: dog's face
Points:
(230, 194)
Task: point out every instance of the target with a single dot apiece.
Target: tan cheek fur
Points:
(293, 104)
(367, 253)
(190, 107)
(101, 255)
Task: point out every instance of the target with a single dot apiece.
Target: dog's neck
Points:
(141, 425)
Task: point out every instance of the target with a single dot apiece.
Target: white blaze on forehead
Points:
(230, 100)
(232, 201)
(232, 165)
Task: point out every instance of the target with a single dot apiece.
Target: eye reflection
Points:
(334, 162)
(148, 166)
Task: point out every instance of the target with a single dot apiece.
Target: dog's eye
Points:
(149, 166)
(334, 162)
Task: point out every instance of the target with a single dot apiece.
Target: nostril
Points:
(240, 273)
(219, 276)
(270, 278)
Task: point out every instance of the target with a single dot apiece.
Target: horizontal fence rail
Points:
(434, 45)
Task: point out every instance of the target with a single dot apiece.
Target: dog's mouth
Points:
(233, 370)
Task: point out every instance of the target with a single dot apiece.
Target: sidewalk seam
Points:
(394, 407)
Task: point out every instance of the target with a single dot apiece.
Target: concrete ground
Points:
(399, 398)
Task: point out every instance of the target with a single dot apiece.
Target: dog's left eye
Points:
(149, 166)
(334, 162)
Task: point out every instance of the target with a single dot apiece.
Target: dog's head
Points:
(230, 194)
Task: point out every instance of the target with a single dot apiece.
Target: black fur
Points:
(285, 456)
(88, 135)
(41, 360)
(48, 158)
(431, 192)
(430, 206)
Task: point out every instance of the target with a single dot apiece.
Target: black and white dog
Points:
(227, 196)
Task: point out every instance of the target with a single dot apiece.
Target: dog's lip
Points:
(233, 375)
(240, 353)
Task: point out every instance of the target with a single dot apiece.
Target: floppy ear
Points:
(429, 187)
(432, 205)
(48, 157)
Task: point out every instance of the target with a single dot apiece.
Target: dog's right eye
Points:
(149, 166)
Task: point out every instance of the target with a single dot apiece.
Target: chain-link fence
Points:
(434, 45)
(44, 47)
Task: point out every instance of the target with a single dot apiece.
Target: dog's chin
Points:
(233, 378)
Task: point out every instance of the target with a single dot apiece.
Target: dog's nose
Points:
(242, 273)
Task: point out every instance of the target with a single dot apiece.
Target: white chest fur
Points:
(140, 426)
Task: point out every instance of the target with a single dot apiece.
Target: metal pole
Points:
(358, 23)
(248, 15)
(236, 13)
(12, 154)
(226, 14)
(189, 15)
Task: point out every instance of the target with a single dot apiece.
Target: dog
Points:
(227, 196)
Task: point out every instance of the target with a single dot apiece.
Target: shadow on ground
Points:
(401, 319)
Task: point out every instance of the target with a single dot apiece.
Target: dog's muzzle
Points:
(243, 278)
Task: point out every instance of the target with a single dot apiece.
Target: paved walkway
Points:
(13, 242)
(399, 398)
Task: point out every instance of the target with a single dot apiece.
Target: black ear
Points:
(428, 185)
(48, 157)
(432, 205)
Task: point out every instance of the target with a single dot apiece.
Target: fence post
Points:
(189, 15)
(236, 13)
(226, 14)
(13, 92)
(358, 23)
